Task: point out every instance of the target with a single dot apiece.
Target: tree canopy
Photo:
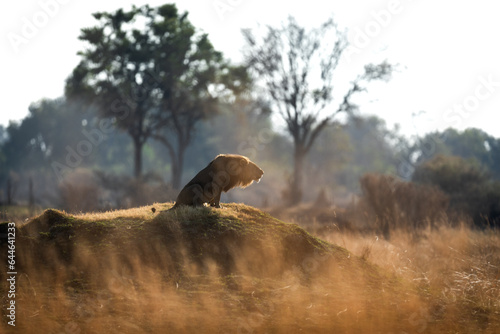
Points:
(152, 73)
(469, 144)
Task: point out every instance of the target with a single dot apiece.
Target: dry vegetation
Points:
(455, 270)
(239, 270)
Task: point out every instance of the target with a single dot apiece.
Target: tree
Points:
(469, 144)
(149, 71)
(43, 135)
(296, 67)
(192, 82)
(115, 73)
(471, 190)
(36, 144)
(344, 153)
(3, 134)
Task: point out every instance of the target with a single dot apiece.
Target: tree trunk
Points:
(9, 191)
(177, 165)
(31, 197)
(385, 229)
(137, 158)
(295, 195)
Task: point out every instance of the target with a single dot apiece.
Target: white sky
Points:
(448, 51)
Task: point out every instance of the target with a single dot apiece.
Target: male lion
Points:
(225, 172)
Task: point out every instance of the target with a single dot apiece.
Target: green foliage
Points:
(33, 144)
(450, 173)
(3, 134)
(346, 152)
(34, 140)
(149, 71)
(468, 185)
(468, 144)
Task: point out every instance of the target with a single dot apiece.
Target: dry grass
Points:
(456, 271)
(18, 213)
(239, 270)
(143, 212)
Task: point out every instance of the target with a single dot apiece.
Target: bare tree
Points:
(296, 68)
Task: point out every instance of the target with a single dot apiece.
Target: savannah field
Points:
(240, 270)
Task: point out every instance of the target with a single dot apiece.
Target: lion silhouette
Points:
(224, 173)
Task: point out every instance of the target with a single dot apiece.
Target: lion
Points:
(224, 173)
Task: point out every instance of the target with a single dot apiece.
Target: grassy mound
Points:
(238, 239)
(235, 269)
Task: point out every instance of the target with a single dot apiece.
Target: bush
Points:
(401, 205)
(122, 191)
(79, 191)
(471, 190)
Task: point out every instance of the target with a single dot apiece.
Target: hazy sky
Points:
(448, 51)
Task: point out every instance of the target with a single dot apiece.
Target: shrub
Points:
(471, 190)
(401, 205)
(79, 191)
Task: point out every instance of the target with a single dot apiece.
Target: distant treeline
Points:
(70, 156)
(58, 144)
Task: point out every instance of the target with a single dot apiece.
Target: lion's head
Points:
(241, 172)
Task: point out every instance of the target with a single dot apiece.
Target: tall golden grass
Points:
(445, 281)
